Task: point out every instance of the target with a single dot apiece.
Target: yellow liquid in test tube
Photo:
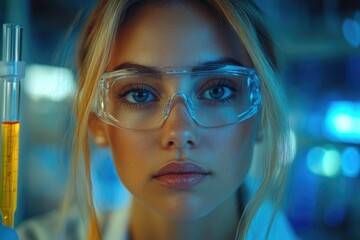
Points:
(9, 173)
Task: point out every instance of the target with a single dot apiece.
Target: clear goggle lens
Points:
(213, 97)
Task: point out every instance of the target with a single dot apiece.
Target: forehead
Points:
(180, 33)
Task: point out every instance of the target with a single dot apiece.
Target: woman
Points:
(181, 92)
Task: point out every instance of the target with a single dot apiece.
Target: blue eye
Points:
(139, 96)
(136, 95)
(218, 92)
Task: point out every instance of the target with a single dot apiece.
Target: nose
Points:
(179, 129)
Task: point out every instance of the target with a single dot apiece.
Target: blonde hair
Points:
(245, 19)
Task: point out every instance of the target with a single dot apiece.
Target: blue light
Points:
(342, 122)
(314, 159)
(324, 161)
(350, 162)
(351, 31)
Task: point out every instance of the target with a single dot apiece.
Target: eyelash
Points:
(219, 83)
(124, 92)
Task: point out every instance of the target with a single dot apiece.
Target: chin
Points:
(183, 216)
(183, 211)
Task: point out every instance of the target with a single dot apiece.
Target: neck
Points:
(221, 223)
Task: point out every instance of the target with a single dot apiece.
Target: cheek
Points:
(128, 145)
(234, 148)
(129, 151)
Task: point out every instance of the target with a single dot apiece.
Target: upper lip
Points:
(180, 168)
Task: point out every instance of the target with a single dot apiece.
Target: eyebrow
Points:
(137, 67)
(216, 64)
(202, 66)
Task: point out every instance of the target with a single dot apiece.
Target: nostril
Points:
(178, 144)
(170, 144)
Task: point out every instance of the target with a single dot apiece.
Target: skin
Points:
(179, 34)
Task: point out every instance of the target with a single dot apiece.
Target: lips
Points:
(180, 175)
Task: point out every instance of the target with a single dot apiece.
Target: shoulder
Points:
(280, 228)
(113, 225)
(52, 226)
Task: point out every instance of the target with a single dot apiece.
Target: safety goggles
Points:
(142, 98)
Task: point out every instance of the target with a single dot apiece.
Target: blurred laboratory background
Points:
(320, 43)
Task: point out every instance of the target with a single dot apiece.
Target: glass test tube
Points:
(11, 72)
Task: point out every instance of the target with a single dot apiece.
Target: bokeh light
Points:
(342, 121)
(324, 161)
(48, 82)
(351, 31)
(350, 163)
